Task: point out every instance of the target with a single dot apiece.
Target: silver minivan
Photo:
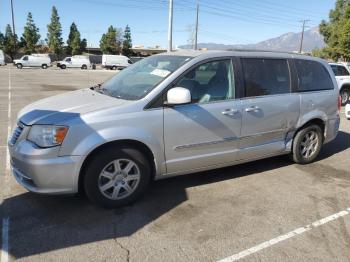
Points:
(173, 114)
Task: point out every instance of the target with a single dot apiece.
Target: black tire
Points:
(114, 68)
(44, 66)
(297, 149)
(83, 67)
(99, 163)
(19, 66)
(344, 94)
(63, 66)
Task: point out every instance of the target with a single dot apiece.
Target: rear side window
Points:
(313, 76)
(265, 76)
(340, 70)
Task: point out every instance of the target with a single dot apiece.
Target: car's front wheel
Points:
(19, 66)
(117, 177)
(344, 94)
(307, 144)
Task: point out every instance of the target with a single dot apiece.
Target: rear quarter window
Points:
(313, 76)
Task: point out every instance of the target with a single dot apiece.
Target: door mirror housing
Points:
(178, 96)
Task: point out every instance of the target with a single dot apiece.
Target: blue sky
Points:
(224, 21)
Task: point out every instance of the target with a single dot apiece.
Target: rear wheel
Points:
(84, 67)
(63, 66)
(44, 66)
(19, 66)
(117, 177)
(344, 94)
(114, 68)
(307, 144)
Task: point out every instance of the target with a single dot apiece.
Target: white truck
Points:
(33, 60)
(77, 61)
(115, 62)
(342, 75)
(2, 58)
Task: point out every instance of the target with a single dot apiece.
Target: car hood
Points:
(62, 108)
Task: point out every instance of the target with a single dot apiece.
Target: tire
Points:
(63, 66)
(344, 94)
(109, 190)
(44, 66)
(19, 66)
(114, 68)
(303, 140)
(83, 67)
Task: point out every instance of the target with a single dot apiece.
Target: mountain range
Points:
(288, 42)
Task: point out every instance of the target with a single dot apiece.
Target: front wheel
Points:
(19, 66)
(63, 66)
(344, 94)
(117, 177)
(307, 144)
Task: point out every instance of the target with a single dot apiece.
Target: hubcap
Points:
(119, 179)
(309, 144)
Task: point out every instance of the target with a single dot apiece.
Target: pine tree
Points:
(127, 42)
(83, 45)
(2, 40)
(30, 35)
(110, 42)
(75, 46)
(54, 39)
(10, 42)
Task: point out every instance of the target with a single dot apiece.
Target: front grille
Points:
(16, 134)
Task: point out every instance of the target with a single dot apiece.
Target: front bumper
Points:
(42, 170)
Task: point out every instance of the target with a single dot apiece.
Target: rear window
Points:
(265, 76)
(340, 70)
(313, 76)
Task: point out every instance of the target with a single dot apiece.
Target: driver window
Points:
(212, 81)
(25, 58)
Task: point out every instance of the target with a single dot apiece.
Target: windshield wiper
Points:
(98, 88)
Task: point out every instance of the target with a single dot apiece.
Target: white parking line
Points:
(5, 240)
(281, 238)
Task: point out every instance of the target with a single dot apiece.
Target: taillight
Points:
(339, 104)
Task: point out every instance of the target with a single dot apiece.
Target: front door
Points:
(206, 132)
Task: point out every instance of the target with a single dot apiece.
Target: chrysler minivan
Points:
(173, 114)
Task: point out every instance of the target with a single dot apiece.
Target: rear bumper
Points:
(331, 129)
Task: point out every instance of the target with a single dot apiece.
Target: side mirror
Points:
(178, 96)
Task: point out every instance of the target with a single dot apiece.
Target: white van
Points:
(77, 61)
(33, 60)
(115, 62)
(2, 58)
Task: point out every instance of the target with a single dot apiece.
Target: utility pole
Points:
(302, 35)
(196, 36)
(13, 24)
(170, 28)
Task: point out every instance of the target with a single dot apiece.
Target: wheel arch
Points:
(124, 142)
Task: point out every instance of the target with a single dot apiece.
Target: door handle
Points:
(252, 109)
(230, 112)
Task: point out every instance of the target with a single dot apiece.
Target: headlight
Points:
(47, 136)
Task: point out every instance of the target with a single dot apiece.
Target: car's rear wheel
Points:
(19, 66)
(84, 67)
(44, 66)
(117, 177)
(114, 68)
(344, 94)
(63, 66)
(307, 144)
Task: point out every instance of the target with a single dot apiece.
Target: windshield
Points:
(139, 79)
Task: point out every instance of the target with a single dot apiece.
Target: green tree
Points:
(30, 35)
(127, 42)
(2, 40)
(9, 42)
(74, 43)
(110, 41)
(54, 32)
(336, 31)
(83, 45)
